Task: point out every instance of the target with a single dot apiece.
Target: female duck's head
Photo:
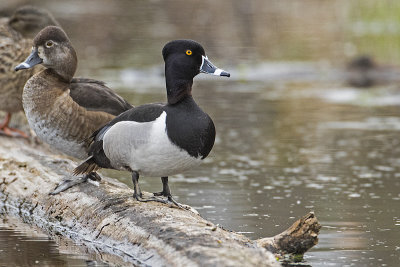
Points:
(184, 59)
(52, 48)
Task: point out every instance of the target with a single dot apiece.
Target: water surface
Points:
(23, 245)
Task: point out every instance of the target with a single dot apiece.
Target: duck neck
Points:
(178, 88)
(67, 66)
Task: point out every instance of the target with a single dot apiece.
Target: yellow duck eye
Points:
(49, 44)
(189, 52)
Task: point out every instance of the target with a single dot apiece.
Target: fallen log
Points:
(109, 221)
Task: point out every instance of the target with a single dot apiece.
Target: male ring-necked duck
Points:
(160, 139)
(16, 34)
(63, 111)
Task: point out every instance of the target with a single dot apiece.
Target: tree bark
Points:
(110, 222)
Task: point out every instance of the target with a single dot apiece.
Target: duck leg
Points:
(11, 132)
(138, 193)
(166, 192)
(66, 184)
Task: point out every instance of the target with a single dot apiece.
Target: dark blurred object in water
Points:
(361, 71)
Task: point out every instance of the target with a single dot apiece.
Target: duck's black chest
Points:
(190, 128)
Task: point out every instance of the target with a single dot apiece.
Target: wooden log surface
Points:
(122, 230)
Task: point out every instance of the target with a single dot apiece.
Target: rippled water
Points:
(292, 137)
(21, 245)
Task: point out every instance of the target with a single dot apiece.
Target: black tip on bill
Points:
(226, 74)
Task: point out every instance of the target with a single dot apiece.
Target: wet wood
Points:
(121, 230)
(296, 240)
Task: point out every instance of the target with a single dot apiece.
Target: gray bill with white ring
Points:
(208, 67)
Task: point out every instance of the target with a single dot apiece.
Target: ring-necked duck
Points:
(61, 110)
(160, 139)
(16, 34)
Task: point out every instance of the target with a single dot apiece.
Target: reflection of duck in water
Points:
(362, 72)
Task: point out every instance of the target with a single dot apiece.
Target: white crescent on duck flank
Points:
(146, 148)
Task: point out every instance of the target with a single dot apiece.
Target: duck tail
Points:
(86, 167)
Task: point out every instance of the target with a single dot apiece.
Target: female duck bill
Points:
(32, 60)
(208, 67)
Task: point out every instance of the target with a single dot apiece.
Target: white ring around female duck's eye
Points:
(49, 44)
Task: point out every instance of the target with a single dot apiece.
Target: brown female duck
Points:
(61, 110)
(16, 34)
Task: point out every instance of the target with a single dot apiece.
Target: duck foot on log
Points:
(11, 132)
(68, 183)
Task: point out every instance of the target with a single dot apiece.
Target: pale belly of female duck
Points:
(54, 136)
(51, 118)
(131, 144)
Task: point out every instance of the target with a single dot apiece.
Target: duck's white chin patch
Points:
(26, 65)
(218, 72)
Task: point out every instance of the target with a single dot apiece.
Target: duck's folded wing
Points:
(144, 113)
(96, 96)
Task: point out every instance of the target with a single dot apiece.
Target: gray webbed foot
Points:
(139, 196)
(66, 184)
(155, 199)
(166, 192)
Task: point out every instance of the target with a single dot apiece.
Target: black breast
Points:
(190, 128)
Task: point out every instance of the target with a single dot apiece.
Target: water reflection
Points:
(21, 245)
